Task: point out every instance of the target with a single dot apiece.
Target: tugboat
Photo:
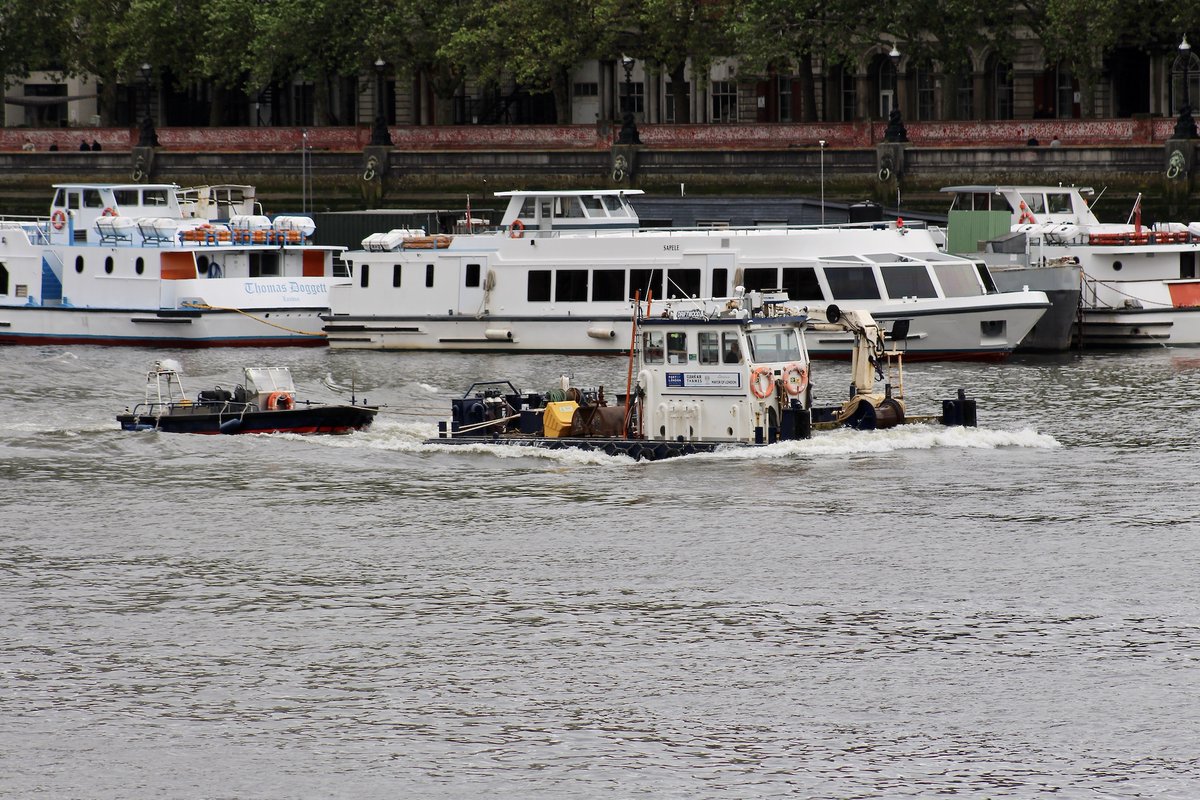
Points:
(264, 403)
(709, 374)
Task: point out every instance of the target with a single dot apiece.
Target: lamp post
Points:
(895, 131)
(629, 132)
(1185, 126)
(821, 142)
(147, 136)
(380, 136)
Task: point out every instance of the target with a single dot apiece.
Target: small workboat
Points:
(265, 402)
(709, 374)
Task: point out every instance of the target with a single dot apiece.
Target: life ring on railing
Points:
(762, 382)
(795, 378)
(109, 212)
(517, 229)
(1025, 215)
(279, 401)
(58, 219)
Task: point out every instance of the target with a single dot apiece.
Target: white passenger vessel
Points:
(560, 273)
(1139, 285)
(705, 374)
(157, 265)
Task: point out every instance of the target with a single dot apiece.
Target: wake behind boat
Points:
(265, 402)
(159, 266)
(561, 271)
(733, 372)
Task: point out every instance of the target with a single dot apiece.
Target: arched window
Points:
(926, 95)
(1002, 89)
(1185, 63)
(886, 83)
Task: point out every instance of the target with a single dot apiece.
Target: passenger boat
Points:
(265, 402)
(158, 265)
(732, 372)
(1135, 285)
(559, 274)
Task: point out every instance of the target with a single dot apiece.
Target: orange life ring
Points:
(279, 401)
(795, 378)
(58, 219)
(1025, 215)
(762, 389)
(109, 212)
(517, 229)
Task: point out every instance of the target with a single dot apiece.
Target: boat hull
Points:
(284, 327)
(308, 420)
(1053, 332)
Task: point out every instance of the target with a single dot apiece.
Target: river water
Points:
(1002, 612)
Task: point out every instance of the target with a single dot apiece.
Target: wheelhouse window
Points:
(126, 197)
(571, 286)
(539, 286)
(801, 283)
(775, 344)
(1034, 202)
(852, 283)
(683, 283)
(958, 280)
(91, 198)
(1058, 203)
(652, 347)
(608, 284)
(677, 350)
(154, 197)
(708, 347)
(731, 351)
(908, 280)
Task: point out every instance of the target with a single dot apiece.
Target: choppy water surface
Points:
(1002, 612)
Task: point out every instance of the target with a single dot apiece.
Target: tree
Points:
(674, 31)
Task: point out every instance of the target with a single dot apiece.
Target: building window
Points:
(926, 98)
(1064, 92)
(849, 97)
(724, 101)
(964, 99)
(1002, 88)
(587, 89)
(784, 82)
(539, 286)
(669, 101)
(1193, 74)
(633, 97)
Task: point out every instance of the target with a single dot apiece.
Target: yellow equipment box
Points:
(556, 422)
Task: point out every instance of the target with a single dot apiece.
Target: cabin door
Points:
(472, 272)
(720, 274)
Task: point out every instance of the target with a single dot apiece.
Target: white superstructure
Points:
(154, 265)
(1140, 283)
(560, 274)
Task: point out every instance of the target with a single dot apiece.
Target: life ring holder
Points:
(58, 219)
(796, 386)
(109, 212)
(279, 401)
(762, 388)
(517, 229)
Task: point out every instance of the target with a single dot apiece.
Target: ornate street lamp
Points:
(380, 136)
(821, 142)
(1185, 126)
(895, 131)
(147, 136)
(629, 132)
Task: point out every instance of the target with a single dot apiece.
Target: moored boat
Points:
(265, 402)
(559, 274)
(1135, 285)
(706, 374)
(158, 265)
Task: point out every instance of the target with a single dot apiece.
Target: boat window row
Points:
(671, 347)
(125, 199)
(364, 275)
(139, 265)
(574, 207)
(847, 278)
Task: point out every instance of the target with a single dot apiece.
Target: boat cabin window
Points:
(397, 272)
(852, 283)
(571, 207)
(571, 286)
(79, 264)
(1058, 203)
(958, 280)
(126, 197)
(778, 344)
(429, 276)
(267, 265)
(652, 347)
(907, 280)
(756, 279)
(91, 198)
(154, 197)
(608, 284)
(731, 351)
(801, 283)
(708, 347)
(645, 281)
(538, 286)
(73, 199)
(3, 279)
(1035, 203)
(528, 208)
(471, 276)
(614, 206)
(677, 351)
(683, 283)
(593, 205)
(720, 282)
